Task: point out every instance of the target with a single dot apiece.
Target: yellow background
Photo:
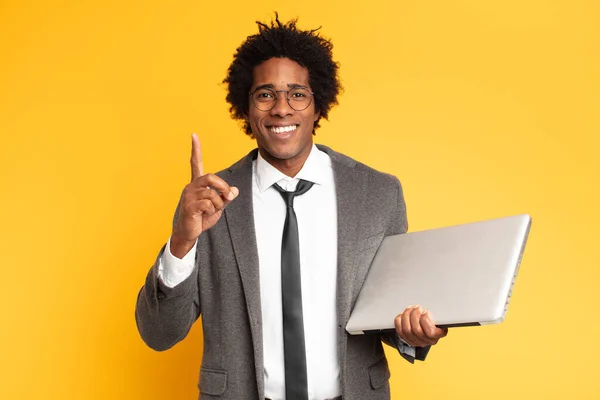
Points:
(482, 109)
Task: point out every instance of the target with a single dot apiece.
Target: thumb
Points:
(235, 192)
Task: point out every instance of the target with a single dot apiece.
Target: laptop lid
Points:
(462, 274)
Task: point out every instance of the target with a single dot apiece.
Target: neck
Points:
(289, 167)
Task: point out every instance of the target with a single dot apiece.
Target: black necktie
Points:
(296, 382)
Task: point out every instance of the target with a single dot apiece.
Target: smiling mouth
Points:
(283, 129)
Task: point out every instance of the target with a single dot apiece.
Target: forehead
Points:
(279, 72)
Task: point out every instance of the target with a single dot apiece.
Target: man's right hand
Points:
(202, 204)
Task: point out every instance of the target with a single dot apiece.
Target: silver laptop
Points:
(462, 274)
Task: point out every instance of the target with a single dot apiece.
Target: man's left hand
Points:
(417, 329)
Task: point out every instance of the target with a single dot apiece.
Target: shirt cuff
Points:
(172, 270)
(405, 348)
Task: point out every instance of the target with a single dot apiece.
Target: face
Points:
(283, 135)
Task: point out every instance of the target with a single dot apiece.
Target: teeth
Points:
(282, 129)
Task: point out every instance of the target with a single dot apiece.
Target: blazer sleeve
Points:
(164, 315)
(399, 224)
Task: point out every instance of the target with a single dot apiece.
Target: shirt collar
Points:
(312, 170)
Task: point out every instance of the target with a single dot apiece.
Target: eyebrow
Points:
(271, 86)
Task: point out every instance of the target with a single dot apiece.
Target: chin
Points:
(282, 154)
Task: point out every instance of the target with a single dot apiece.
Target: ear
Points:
(317, 116)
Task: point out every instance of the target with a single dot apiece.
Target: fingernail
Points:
(231, 196)
(424, 312)
(410, 306)
(417, 306)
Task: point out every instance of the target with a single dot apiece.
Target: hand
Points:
(202, 204)
(416, 327)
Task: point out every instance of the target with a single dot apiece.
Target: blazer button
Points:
(160, 295)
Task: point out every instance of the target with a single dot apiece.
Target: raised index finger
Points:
(196, 160)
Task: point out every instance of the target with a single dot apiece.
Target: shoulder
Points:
(244, 164)
(342, 161)
(379, 195)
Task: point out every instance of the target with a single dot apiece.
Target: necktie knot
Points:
(288, 197)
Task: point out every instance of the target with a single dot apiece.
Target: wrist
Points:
(180, 246)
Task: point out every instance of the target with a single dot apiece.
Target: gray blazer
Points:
(224, 287)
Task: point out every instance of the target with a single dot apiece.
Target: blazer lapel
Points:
(350, 193)
(240, 222)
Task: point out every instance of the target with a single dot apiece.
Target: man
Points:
(275, 284)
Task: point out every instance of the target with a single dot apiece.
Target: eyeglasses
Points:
(299, 98)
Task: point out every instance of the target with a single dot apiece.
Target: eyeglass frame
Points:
(312, 96)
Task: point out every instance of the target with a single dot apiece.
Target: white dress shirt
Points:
(316, 211)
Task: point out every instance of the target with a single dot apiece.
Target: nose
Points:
(282, 107)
